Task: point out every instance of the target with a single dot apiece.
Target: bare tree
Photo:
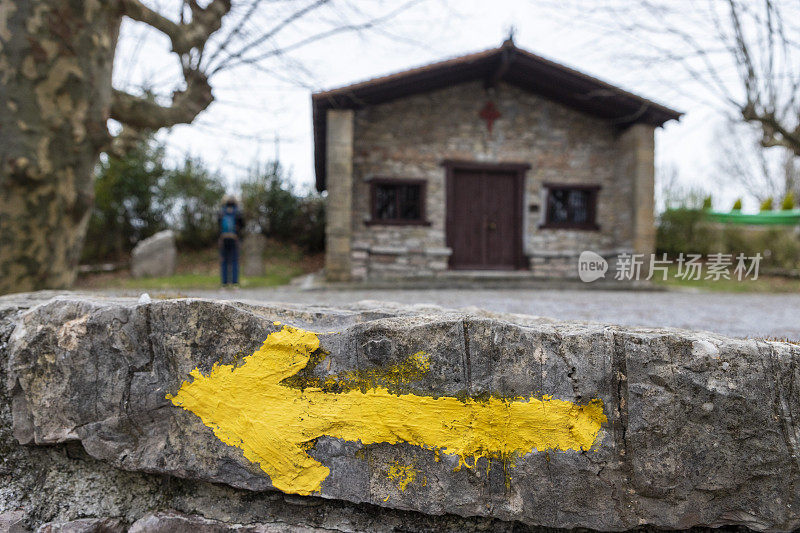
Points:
(56, 95)
(744, 54)
(761, 172)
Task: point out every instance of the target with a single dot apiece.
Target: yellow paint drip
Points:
(402, 475)
(247, 406)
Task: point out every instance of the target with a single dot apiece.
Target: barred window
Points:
(398, 201)
(571, 206)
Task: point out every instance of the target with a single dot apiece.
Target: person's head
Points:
(229, 201)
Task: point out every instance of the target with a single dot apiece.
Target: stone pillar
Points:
(637, 145)
(339, 211)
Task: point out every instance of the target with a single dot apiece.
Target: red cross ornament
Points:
(489, 113)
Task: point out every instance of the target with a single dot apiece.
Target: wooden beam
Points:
(502, 67)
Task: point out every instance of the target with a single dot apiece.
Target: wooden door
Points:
(484, 222)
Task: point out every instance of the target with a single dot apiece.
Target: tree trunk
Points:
(56, 58)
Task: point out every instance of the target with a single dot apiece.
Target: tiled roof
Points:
(506, 63)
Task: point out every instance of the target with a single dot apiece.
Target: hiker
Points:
(231, 224)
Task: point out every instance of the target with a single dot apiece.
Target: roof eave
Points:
(533, 73)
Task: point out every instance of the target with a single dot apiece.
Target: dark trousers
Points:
(229, 254)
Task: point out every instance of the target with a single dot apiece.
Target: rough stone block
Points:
(420, 408)
(84, 525)
(173, 522)
(13, 522)
(253, 255)
(155, 256)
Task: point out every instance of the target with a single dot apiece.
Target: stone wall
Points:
(570, 425)
(410, 137)
(62, 488)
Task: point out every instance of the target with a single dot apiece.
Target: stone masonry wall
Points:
(194, 415)
(410, 137)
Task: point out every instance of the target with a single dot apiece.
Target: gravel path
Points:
(739, 315)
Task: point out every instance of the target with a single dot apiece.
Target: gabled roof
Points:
(506, 63)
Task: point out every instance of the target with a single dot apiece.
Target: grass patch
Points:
(199, 269)
(202, 281)
(764, 283)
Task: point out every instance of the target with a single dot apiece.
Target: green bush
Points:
(782, 248)
(269, 203)
(272, 207)
(686, 230)
(127, 205)
(707, 203)
(137, 195)
(766, 205)
(737, 205)
(310, 223)
(779, 247)
(788, 202)
(193, 194)
(683, 230)
(736, 240)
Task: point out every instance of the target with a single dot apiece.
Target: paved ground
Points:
(740, 315)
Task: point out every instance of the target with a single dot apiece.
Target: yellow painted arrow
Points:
(247, 406)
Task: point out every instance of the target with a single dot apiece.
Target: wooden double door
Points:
(484, 216)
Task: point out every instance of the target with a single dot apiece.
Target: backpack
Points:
(228, 221)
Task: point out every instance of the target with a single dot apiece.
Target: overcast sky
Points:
(259, 114)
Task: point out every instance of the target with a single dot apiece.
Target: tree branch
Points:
(774, 133)
(300, 13)
(239, 58)
(138, 113)
(184, 36)
(742, 52)
(146, 114)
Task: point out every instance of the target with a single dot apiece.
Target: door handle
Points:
(491, 226)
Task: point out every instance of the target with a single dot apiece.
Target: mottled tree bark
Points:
(56, 58)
